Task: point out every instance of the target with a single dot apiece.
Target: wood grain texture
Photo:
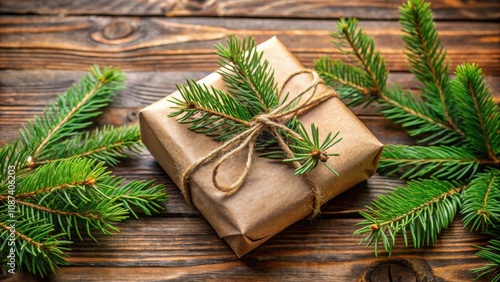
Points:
(328, 9)
(48, 45)
(186, 248)
(186, 44)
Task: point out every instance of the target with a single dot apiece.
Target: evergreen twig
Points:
(252, 91)
(55, 181)
(457, 117)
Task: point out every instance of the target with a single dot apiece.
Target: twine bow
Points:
(246, 139)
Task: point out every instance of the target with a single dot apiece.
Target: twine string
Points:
(247, 139)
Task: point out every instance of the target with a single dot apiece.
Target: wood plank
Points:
(186, 44)
(331, 9)
(35, 88)
(188, 249)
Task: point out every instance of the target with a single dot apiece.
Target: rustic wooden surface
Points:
(47, 45)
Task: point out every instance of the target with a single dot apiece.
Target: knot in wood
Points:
(117, 29)
(402, 270)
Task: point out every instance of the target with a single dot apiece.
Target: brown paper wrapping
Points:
(272, 198)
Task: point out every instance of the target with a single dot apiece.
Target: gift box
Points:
(271, 198)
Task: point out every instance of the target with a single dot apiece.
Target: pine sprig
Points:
(62, 186)
(108, 145)
(353, 42)
(36, 247)
(252, 92)
(72, 110)
(351, 83)
(364, 81)
(479, 115)
(411, 209)
(457, 117)
(442, 162)
(491, 253)
(71, 195)
(427, 58)
(249, 79)
(210, 111)
(481, 201)
(309, 151)
(402, 107)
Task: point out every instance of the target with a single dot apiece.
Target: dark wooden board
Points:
(186, 248)
(186, 44)
(374, 9)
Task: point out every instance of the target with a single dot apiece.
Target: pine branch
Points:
(490, 253)
(210, 111)
(249, 79)
(366, 81)
(481, 201)
(310, 151)
(252, 92)
(427, 58)
(71, 111)
(36, 247)
(441, 162)
(143, 195)
(107, 145)
(479, 114)
(353, 84)
(402, 107)
(60, 185)
(424, 207)
(353, 42)
(71, 195)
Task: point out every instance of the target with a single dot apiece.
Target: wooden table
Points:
(47, 45)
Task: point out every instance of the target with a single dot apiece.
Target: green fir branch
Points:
(72, 110)
(311, 151)
(71, 195)
(61, 187)
(210, 111)
(491, 253)
(423, 208)
(361, 47)
(458, 118)
(402, 107)
(142, 195)
(36, 246)
(107, 145)
(442, 162)
(252, 91)
(248, 77)
(481, 201)
(352, 83)
(479, 114)
(427, 58)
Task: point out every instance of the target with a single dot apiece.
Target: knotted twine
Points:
(269, 122)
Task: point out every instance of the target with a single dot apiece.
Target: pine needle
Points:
(72, 110)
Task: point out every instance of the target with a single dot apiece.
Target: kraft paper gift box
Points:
(271, 198)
